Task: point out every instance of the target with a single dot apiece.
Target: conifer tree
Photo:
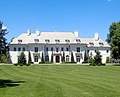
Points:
(85, 57)
(22, 59)
(63, 58)
(72, 58)
(42, 59)
(52, 57)
(29, 58)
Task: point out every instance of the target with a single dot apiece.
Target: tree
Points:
(85, 57)
(42, 59)
(72, 58)
(107, 60)
(29, 58)
(113, 38)
(98, 59)
(52, 57)
(3, 43)
(90, 60)
(22, 59)
(63, 58)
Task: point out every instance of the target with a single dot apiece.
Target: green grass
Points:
(59, 81)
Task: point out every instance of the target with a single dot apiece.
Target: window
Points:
(36, 59)
(14, 48)
(19, 41)
(47, 40)
(36, 40)
(78, 49)
(67, 49)
(62, 49)
(36, 49)
(57, 49)
(107, 51)
(51, 48)
(78, 58)
(101, 43)
(91, 43)
(77, 40)
(46, 48)
(19, 49)
(57, 40)
(23, 48)
(67, 58)
(67, 40)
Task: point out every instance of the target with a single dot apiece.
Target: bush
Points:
(107, 60)
(22, 59)
(28, 64)
(97, 61)
(15, 64)
(3, 58)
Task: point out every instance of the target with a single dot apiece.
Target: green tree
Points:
(29, 58)
(72, 58)
(52, 57)
(63, 58)
(107, 60)
(90, 60)
(22, 59)
(85, 57)
(98, 59)
(113, 38)
(42, 59)
(3, 43)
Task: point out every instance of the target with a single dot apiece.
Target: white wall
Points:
(41, 48)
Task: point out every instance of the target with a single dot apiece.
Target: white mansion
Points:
(54, 44)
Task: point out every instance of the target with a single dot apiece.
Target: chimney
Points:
(76, 33)
(96, 36)
(37, 31)
(28, 32)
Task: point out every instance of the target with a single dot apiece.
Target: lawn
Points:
(59, 81)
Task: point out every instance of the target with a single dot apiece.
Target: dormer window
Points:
(91, 43)
(101, 43)
(36, 40)
(67, 40)
(47, 40)
(19, 41)
(57, 40)
(77, 40)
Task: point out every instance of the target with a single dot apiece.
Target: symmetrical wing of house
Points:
(55, 44)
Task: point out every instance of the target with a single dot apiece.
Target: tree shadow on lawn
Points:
(9, 83)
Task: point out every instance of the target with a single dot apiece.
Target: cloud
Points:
(109, 0)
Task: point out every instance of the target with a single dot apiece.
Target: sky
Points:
(84, 16)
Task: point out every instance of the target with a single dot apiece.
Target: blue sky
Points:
(85, 16)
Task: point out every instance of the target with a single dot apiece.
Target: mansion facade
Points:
(52, 46)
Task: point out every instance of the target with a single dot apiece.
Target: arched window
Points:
(67, 58)
(78, 58)
(36, 59)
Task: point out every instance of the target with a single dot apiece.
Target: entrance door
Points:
(78, 59)
(57, 59)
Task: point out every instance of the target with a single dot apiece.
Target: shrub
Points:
(72, 58)
(3, 58)
(22, 59)
(107, 60)
(85, 58)
(90, 60)
(97, 61)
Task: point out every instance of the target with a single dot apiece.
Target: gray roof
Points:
(28, 38)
